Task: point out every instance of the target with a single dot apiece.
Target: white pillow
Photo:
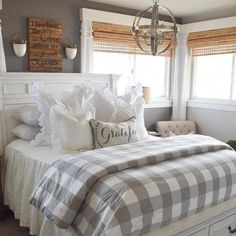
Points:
(102, 99)
(128, 105)
(73, 101)
(26, 132)
(28, 114)
(71, 132)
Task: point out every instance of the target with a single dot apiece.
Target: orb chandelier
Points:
(150, 38)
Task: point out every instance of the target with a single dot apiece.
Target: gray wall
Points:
(215, 123)
(14, 18)
(152, 115)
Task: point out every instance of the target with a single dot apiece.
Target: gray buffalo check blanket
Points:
(136, 188)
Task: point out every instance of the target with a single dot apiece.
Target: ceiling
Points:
(188, 10)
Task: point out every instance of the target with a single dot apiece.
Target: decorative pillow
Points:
(26, 132)
(110, 134)
(28, 114)
(128, 105)
(71, 132)
(72, 101)
(103, 100)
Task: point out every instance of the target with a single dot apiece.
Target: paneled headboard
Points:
(14, 92)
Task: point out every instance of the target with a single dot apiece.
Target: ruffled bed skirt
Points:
(22, 174)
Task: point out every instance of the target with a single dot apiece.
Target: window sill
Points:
(160, 104)
(212, 104)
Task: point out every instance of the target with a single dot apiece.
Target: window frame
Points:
(212, 103)
(165, 100)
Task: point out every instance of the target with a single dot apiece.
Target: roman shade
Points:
(118, 39)
(211, 42)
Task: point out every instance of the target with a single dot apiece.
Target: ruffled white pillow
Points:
(128, 105)
(71, 132)
(110, 108)
(26, 132)
(28, 114)
(102, 99)
(73, 102)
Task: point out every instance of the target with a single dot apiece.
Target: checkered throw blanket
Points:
(136, 188)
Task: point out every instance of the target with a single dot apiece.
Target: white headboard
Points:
(14, 92)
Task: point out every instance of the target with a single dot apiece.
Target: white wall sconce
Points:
(71, 49)
(19, 45)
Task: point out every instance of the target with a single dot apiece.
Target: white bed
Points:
(25, 165)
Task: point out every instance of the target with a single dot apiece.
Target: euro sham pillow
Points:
(108, 134)
(26, 132)
(128, 105)
(28, 114)
(71, 132)
(73, 101)
(102, 99)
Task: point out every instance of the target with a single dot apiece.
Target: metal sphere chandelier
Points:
(150, 38)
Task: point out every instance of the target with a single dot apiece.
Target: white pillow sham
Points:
(102, 99)
(110, 108)
(28, 114)
(129, 105)
(72, 101)
(71, 132)
(26, 132)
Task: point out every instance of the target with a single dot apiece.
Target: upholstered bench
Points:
(172, 128)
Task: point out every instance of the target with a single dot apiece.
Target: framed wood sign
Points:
(45, 45)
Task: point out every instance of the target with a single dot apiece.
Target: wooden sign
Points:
(45, 44)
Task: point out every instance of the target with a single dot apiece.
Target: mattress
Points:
(25, 165)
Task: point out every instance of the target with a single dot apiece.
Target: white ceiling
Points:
(188, 10)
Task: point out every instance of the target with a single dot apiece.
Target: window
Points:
(148, 70)
(116, 52)
(214, 68)
(214, 77)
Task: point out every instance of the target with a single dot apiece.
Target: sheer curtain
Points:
(181, 85)
(86, 47)
(2, 54)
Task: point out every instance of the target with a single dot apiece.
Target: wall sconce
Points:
(19, 45)
(0, 4)
(70, 48)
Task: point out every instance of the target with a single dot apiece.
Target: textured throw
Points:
(136, 188)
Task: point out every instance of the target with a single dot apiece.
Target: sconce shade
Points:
(0, 4)
(71, 53)
(19, 49)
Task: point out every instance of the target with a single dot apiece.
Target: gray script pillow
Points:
(110, 134)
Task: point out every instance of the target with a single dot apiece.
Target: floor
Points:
(10, 227)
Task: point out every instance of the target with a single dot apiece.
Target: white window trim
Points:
(160, 104)
(214, 104)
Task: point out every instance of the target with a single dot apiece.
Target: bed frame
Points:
(14, 92)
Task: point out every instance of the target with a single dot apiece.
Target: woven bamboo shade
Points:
(118, 39)
(211, 42)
